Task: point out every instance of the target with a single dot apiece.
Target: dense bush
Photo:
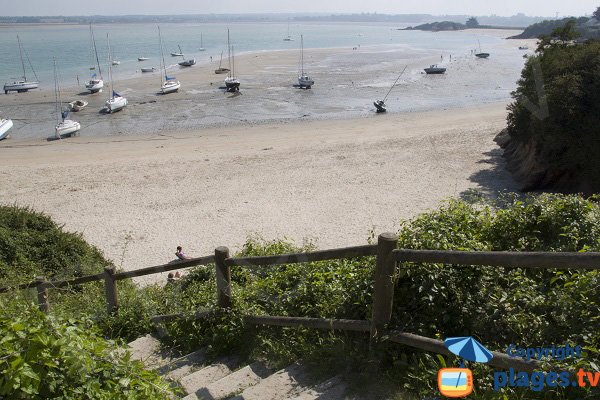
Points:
(565, 139)
(32, 244)
(45, 357)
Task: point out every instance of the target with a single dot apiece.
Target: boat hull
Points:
(20, 86)
(5, 125)
(142, 58)
(77, 105)
(115, 104)
(148, 69)
(305, 82)
(232, 84)
(188, 63)
(170, 87)
(67, 127)
(94, 86)
(482, 55)
(221, 71)
(435, 71)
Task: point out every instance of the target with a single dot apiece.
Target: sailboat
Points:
(481, 54)
(115, 102)
(288, 38)
(95, 85)
(185, 63)
(5, 125)
(304, 81)
(221, 70)
(64, 126)
(201, 45)
(22, 85)
(170, 84)
(380, 104)
(231, 82)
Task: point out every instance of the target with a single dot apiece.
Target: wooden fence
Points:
(387, 262)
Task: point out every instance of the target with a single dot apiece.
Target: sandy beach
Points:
(202, 168)
(331, 181)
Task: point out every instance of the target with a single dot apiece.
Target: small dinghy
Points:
(5, 125)
(77, 105)
(142, 58)
(151, 69)
(115, 62)
(188, 63)
(435, 70)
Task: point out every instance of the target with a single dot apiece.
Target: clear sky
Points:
(436, 7)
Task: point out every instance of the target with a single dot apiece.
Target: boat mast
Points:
(162, 54)
(56, 91)
(21, 54)
(232, 63)
(95, 50)
(301, 55)
(397, 79)
(229, 53)
(110, 77)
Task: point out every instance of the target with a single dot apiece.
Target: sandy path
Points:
(137, 198)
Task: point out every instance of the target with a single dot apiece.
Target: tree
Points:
(563, 147)
(596, 14)
(472, 23)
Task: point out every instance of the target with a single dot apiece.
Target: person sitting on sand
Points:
(180, 254)
(171, 278)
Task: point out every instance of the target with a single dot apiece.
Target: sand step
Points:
(207, 375)
(180, 367)
(233, 383)
(283, 384)
(147, 350)
(332, 389)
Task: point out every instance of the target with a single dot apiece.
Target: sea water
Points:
(72, 47)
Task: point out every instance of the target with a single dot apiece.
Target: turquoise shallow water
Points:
(71, 44)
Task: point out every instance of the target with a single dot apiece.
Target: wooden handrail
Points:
(545, 260)
(193, 262)
(312, 256)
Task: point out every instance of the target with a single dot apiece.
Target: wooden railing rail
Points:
(542, 260)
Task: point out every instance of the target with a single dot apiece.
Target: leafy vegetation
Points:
(563, 140)
(498, 306)
(45, 357)
(583, 25)
(31, 244)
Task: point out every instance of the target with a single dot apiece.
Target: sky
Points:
(435, 7)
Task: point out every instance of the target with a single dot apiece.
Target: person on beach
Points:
(172, 278)
(180, 254)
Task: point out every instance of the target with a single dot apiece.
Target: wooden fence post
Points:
(383, 294)
(42, 294)
(223, 277)
(110, 289)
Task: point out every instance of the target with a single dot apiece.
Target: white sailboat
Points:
(170, 84)
(481, 54)
(22, 85)
(221, 70)
(201, 45)
(65, 126)
(115, 102)
(288, 38)
(5, 125)
(95, 84)
(231, 82)
(304, 81)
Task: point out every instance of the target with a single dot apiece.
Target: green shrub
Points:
(45, 357)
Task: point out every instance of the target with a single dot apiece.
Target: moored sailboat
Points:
(22, 85)
(221, 70)
(170, 84)
(95, 84)
(304, 81)
(232, 84)
(481, 54)
(115, 102)
(380, 105)
(65, 126)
